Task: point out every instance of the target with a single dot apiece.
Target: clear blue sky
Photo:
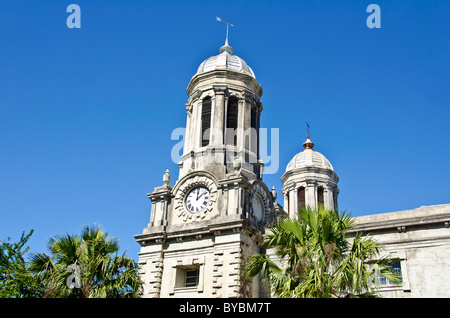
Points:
(87, 114)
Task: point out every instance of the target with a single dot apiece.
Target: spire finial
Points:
(308, 144)
(166, 178)
(226, 47)
(307, 130)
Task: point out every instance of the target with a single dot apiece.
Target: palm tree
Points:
(316, 258)
(86, 266)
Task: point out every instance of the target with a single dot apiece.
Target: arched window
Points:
(232, 120)
(335, 201)
(320, 200)
(255, 131)
(301, 198)
(254, 117)
(206, 120)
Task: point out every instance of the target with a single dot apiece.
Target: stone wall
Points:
(419, 240)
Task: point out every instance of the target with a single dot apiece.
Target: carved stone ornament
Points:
(188, 184)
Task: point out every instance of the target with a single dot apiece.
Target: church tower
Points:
(309, 181)
(203, 227)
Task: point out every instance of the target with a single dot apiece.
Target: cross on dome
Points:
(308, 144)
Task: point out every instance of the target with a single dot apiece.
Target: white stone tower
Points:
(202, 228)
(309, 181)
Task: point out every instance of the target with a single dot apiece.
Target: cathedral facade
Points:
(203, 227)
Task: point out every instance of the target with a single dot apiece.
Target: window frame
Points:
(397, 270)
(395, 257)
(177, 276)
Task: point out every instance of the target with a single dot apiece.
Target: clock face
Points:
(258, 208)
(197, 199)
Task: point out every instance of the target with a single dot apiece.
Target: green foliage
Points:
(16, 280)
(318, 260)
(86, 266)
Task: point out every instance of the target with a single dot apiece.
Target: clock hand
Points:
(202, 194)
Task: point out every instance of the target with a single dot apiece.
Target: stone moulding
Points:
(401, 221)
(226, 225)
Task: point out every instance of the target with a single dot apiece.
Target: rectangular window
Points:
(187, 276)
(396, 269)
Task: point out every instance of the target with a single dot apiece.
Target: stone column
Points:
(328, 196)
(310, 195)
(335, 198)
(233, 195)
(191, 117)
(286, 198)
(187, 134)
(295, 199)
(240, 126)
(152, 214)
(160, 200)
(292, 202)
(217, 116)
(196, 125)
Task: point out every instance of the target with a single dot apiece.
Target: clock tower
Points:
(203, 227)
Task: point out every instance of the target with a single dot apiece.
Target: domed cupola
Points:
(225, 60)
(309, 158)
(223, 114)
(309, 181)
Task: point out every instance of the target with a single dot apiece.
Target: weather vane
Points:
(228, 24)
(307, 130)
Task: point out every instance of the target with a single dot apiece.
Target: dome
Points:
(227, 60)
(309, 158)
